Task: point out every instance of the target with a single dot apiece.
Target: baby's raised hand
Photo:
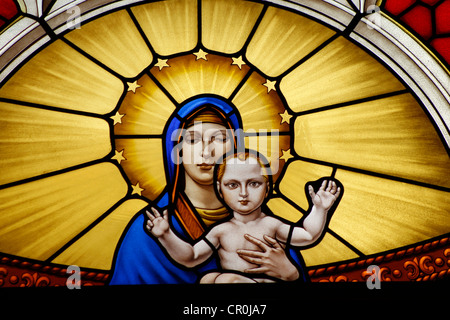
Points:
(157, 223)
(326, 196)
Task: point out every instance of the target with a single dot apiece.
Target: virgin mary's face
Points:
(203, 144)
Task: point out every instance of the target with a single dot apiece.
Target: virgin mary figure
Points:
(196, 136)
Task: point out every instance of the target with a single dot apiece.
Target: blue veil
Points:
(139, 258)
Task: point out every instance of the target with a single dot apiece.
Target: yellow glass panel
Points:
(146, 111)
(115, 41)
(258, 108)
(298, 173)
(96, 248)
(282, 39)
(59, 76)
(328, 250)
(35, 141)
(38, 218)
(284, 210)
(340, 72)
(377, 214)
(170, 26)
(271, 147)
(187, 76)
(144, 164)
(391, 136)
(228, 32)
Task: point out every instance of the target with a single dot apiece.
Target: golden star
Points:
(200, 55)
(285, 117)
(162, 63)
(270, 85)
(132, 86)
(286, 155)
(118, 156)
(137, 189)
(117, 118)
(238, 62)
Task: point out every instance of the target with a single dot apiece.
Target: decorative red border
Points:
(426, 262)
(18, 272)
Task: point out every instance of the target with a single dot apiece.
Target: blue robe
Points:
(141, 260)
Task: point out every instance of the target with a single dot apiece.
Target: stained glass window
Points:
(333, 89)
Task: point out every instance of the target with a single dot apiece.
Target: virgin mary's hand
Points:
(271, 260)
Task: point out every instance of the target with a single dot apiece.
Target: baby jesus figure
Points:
(243, 183)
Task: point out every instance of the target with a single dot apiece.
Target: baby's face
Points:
(243, 186)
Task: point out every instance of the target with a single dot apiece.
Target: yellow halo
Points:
(145, 111)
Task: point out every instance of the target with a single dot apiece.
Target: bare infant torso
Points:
(228, 237)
